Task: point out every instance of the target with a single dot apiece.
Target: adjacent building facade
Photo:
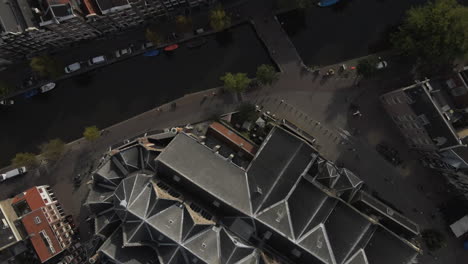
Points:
(181, 198)
(30, 27)
(34, 218)
(432, 115)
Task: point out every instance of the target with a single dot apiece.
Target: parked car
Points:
(73, 67)
(7, 102)
(12, 173)
(47, 87)
(147, 45)
(122, 52)
(389, 153)
(96, 60)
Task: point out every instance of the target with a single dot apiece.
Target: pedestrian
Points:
(282, 101)
(213, 93)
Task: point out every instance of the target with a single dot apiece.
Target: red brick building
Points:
(44, 221)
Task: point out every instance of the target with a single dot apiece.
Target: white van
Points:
(96, 60)
(12, 173)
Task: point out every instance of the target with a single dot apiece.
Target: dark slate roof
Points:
(207, 170)
(385, 248)
(292, 203)
(276, 168)
(114, 250)
(438, 126)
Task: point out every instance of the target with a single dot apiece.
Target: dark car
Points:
(389, 153)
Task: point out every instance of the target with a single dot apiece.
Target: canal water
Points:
(119, 91)
(350, 29)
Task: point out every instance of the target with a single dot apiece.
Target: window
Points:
(37, 220)
(422, 119)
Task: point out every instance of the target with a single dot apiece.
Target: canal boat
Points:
(171, 47)
(47, 87)
(151, 53)
(31, 93)
(325, 3)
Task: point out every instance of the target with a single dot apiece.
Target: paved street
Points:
(124, 89)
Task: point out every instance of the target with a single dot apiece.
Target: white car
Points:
(122, 52)
(147, 45)
(13, 173)
(73, 67)
(96, 60)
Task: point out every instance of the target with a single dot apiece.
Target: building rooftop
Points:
(182, 198)
(11, 17)
(207, 170)
(41, 235)
(234, 138)
(28, 200)
(8, 233)
(424, 104)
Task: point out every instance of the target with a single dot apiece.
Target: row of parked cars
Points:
(103, 58)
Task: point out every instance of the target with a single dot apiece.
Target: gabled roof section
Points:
(358, 258)
(278, 218)
(279, 163)
(317, 243)
(207, 170)
(303, 203)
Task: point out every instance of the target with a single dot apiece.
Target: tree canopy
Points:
(435, 34)
(433, 239)
(53, 149)
(91, 133)
(266, 74)
(247, 112)
(154, 37)
(219, 20)
(184, 23)
(5, 88)
(367, 67)
(29, 160)
(46, 66)
(237, 82)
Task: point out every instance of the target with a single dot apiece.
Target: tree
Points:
(266, 74)
(91, 133)
(367, 67)
(433, 239)
(29, 160)
(154, 37)
(46, 66)
(184, 23)
(5, 88)
(435, 34)
(247, 112)
(53, 149)
(237, 82)
(219, 20)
